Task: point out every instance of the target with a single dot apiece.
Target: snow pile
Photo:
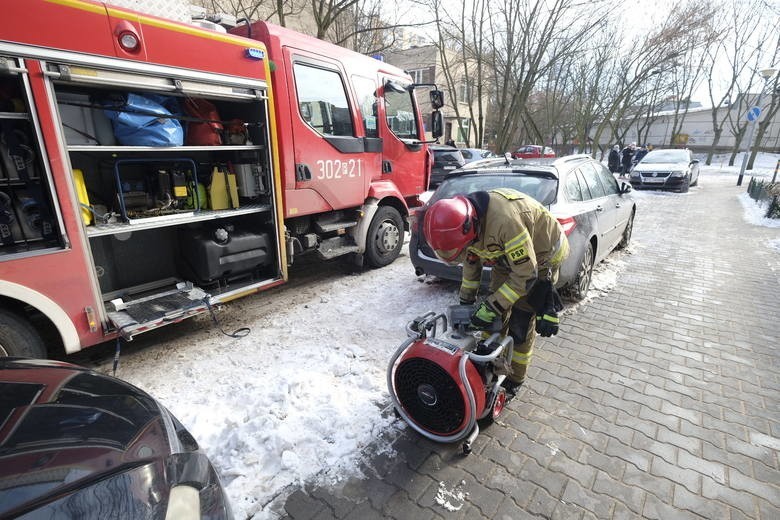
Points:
(755, 212)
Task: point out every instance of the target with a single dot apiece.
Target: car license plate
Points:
(654, 180)
(449, 167)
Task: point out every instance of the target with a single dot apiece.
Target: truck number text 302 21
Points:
(338, 169)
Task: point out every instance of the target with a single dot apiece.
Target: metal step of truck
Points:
(329, 227)
(143, 314)
(337, 246)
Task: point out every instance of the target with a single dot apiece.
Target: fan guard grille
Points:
(430, 395)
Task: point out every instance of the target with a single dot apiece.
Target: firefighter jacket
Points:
(518, 237)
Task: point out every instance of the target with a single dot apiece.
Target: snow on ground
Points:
(755, 212)
(764, 169)
(304, 395)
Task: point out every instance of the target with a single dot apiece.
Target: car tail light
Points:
(415, 216)
(568, 224)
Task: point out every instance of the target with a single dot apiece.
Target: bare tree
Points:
(729, 59)
(461, 33)
(654, 53)
(748, 89)
(594, 76)
(474, 26)
(270, 10)
(371, 29)
(528, 39)
(326, 12)
(659, 90)
(544, 117)
(771, 109)
(688, 73)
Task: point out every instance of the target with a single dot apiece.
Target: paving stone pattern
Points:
(657, 400)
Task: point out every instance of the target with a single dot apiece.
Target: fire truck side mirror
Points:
(437, 99)
(392, 86)
(437, 124)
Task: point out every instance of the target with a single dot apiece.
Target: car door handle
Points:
(618, 205)
(599, 209)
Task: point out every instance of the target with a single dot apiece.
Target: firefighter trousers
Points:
(521, 325)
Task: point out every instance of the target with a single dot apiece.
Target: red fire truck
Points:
(150, 169)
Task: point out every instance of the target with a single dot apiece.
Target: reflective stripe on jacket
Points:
(519, 236)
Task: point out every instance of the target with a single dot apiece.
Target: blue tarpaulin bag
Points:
(137, 121)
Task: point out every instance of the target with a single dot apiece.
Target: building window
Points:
(417, 75)
(464, 91)
(463, 130)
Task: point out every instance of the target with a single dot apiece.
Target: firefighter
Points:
(525, 246)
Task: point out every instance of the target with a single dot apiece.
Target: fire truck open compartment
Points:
(28, 218)
(168, 226)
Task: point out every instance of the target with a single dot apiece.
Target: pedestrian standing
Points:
(613, 162)
(627, 156)
(640, 153)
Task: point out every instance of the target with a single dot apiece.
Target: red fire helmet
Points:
(449, 226)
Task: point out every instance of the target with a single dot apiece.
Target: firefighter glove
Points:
(547, 324)
(483, 317)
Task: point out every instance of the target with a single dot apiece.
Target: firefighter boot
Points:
(511, 387)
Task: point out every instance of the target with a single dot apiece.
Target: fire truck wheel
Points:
(18, 338)
(385, 237)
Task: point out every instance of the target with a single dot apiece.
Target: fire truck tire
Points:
(18, 338)
(385, 237)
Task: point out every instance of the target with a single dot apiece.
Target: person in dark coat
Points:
(640, 153)
(613, 162)
(626, 159)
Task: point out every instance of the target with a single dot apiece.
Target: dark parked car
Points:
(445, 160)
(76, 444)
(595, 210)
(674, 169)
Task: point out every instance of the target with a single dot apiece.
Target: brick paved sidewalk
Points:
(658, 400)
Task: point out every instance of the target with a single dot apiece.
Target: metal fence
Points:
(760, 191)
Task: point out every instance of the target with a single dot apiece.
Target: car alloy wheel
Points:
(579, 288)
(627, 233)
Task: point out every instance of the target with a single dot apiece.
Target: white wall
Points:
(698, 127)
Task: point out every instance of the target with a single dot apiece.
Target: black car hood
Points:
(63, 427)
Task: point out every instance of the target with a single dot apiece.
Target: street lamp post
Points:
(767, 75)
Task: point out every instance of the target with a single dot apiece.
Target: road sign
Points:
(753, 114)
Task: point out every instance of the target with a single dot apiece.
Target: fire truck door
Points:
(330, 157)
(404, 156)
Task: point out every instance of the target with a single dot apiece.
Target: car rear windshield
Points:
(448, 155)
(542, 189)
(666, 156)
